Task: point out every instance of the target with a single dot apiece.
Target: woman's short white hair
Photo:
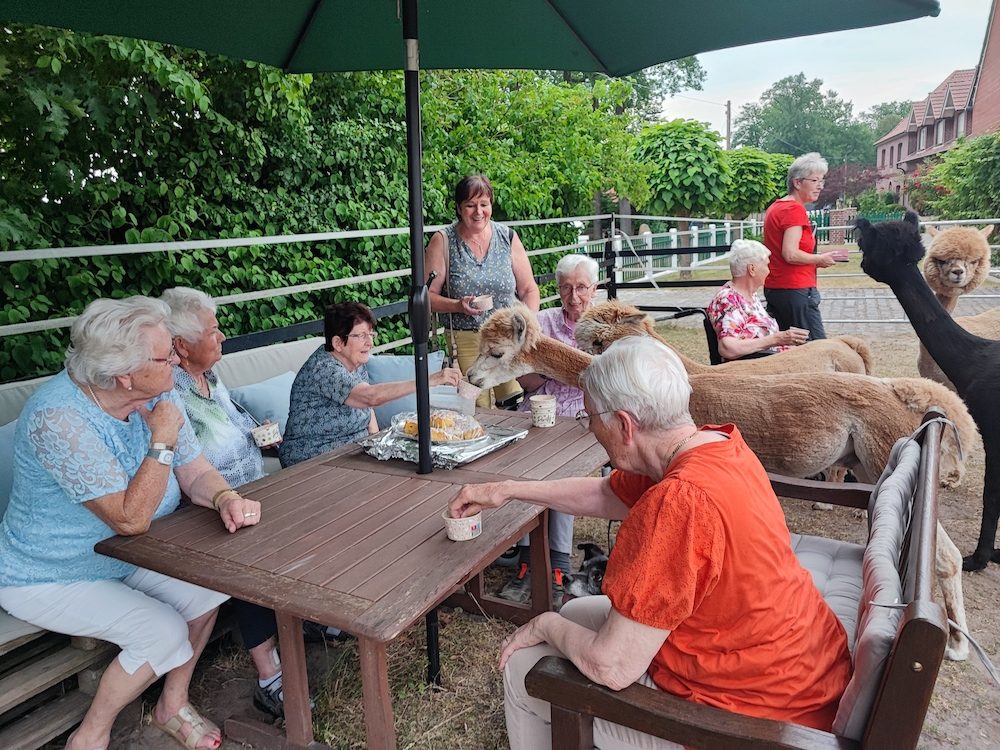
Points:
(569, 263)
(639, 375)
(111, 338)
(185, 306)
(744, 252)
(806, 166)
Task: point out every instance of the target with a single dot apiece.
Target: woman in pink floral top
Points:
(741, 323)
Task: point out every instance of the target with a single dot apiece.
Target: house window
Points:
(922, 139)
(899, 152)
(891, 152)
(883, 158)
(960, 124)
(939, 132)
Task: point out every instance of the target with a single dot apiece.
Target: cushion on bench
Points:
(889, 517)
(268, 399)
(836, 571)
(388, 368)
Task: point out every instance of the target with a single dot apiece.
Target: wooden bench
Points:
(897, 648)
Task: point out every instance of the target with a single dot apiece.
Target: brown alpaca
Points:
(797, 424)
(609, 321)
(957, 262)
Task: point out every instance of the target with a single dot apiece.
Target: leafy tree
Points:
(754, 182)
(847, 182)
(965, 183)
(689, 175)
(795, 114)
(884, 117)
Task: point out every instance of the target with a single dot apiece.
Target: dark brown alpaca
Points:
(891, 251)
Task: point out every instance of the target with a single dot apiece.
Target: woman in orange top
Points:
(704, 597)
(790, 288)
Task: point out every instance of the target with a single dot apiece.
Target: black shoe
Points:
(269, 701)
(313, 632)
(509, 559)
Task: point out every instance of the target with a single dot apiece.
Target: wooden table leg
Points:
(379, 724)
(541, 566)
(294, 680)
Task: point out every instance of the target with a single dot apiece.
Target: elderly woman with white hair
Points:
(704, 597)
(576, 278)
(790, 291)
(103, 448)
(741, 323)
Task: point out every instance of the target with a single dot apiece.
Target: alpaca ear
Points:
(634, 320)
(986, 231)
(912, 218)
(520, 326)
(933, 231)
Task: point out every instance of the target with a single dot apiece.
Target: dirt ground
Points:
(467, 712)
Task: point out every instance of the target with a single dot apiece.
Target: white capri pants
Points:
(146, 614)
(528, 719)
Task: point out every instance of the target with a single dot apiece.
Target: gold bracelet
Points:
(220, 493)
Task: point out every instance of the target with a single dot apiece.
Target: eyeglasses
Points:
(580, 289)
(165, 360)
(818, 180)
(360, 336)
(583, 417)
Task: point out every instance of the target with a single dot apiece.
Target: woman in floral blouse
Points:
(741, 323)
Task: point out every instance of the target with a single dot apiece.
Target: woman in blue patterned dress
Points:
(103, 448)
(472, 257)
(223, 430)
(331, 401)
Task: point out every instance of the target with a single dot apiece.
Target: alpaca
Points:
(958, 262)
(606, 322)
(796, 424)
(890, 252)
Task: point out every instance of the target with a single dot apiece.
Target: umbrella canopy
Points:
(313, 36)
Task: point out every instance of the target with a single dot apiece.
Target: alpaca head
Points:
(607, 322)
(958, 260)
(888, 247)
(505, 342)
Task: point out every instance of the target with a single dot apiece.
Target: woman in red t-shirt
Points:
(790, 289)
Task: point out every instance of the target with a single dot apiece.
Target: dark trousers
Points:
(257, 623)
(798, 308)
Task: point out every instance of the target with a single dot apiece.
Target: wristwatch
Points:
(161, 453)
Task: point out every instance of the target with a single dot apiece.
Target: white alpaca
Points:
(796, 424)
(957, 262)
(608, 321)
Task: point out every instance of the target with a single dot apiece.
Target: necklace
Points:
(93, 395)
(478, 243)
(680, 445)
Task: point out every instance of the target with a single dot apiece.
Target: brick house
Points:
(932, 126)
(986, 87)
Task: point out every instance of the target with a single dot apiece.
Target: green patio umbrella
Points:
(315, 36)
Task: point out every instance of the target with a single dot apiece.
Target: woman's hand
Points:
(164, 421)
(237, 511)
(468, 306)
(446, 376)
(525, 636)
(472, 498)
(792, 337)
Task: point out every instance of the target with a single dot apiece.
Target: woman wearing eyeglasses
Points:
(790, 288)
(576, 276)
(331, 400)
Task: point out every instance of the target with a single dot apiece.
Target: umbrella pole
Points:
(420, 310)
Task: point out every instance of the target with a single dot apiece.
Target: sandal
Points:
(199, 727)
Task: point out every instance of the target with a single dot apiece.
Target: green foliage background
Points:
(965, 182)
(106, 140)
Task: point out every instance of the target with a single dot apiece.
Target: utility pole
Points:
(729, 112)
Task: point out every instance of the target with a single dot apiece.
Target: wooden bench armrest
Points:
(849, 494)
(557, 681)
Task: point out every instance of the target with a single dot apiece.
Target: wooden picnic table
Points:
(359, 544)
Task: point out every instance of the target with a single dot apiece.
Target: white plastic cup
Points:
(266, 434)
(462, 529)
(543, 410)
(483, 302)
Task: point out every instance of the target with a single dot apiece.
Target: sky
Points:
(902, 61)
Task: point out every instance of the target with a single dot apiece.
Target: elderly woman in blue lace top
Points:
(223, 429)
(476, 256)
(103, 448)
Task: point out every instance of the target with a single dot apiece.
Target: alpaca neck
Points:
(948, 302)
(559, 361)
(950, 345)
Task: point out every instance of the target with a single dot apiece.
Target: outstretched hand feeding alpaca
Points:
(891, 251)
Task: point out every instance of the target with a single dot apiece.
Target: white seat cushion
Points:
(836, 571)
